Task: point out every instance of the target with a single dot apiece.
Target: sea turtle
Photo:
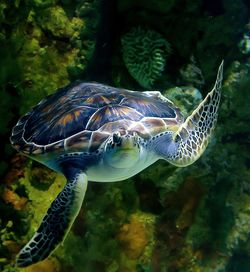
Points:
(90, 131)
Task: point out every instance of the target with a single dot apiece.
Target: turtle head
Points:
(122, 151)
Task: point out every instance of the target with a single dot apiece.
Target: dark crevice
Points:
(213, 7)
(148, 196)
(99, 68)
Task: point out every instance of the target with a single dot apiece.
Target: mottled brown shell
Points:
(81, 116)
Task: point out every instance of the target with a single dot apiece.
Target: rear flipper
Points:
(57, 222)
(187, 144)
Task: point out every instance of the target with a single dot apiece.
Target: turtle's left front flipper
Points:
(189, 142)
(58, 220)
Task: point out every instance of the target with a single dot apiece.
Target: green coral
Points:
(144, 54)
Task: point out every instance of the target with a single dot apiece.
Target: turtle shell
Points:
(82, 115)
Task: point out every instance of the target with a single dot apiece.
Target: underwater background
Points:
(165, 219)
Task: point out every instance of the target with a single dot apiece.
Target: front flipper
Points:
(188, 143)
(58, 220)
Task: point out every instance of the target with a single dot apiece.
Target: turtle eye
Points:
(116, 138)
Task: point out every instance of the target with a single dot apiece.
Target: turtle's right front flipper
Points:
(58, 220)
(186, 145)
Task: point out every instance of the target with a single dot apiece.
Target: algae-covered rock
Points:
(136, 235)
(55, 20)
(186, 98)
(45, 43)
(192, 75)
(36, 52)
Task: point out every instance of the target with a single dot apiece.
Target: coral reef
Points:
(144, 54)
(166, 218)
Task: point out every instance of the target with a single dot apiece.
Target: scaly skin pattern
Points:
(57, 222)
(193, 136)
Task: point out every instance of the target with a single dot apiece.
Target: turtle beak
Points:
(122, 153)
(127, 143)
